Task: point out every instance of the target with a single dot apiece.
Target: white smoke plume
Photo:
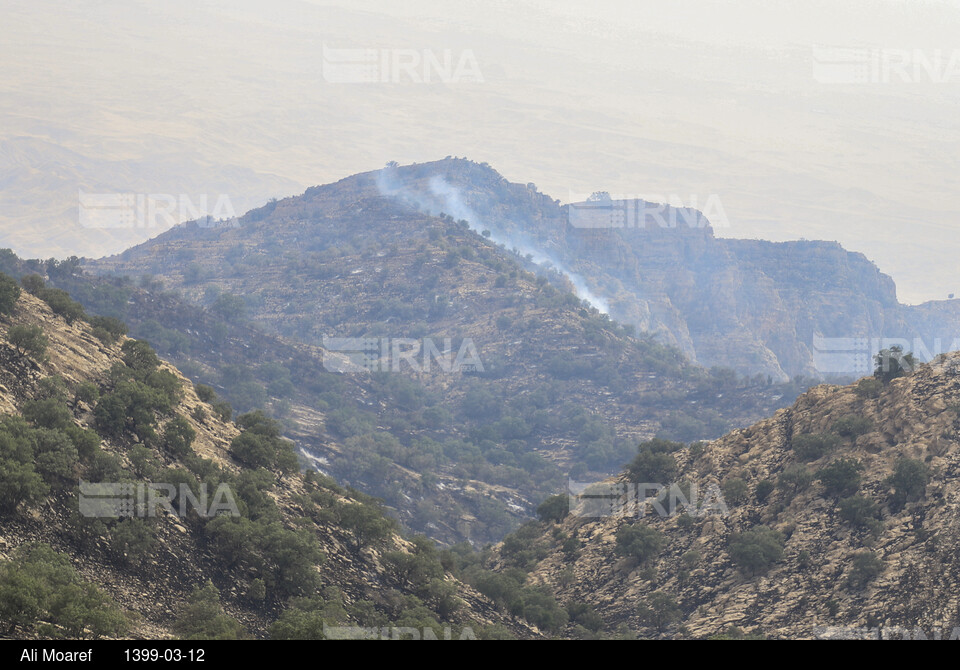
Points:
(445, 198)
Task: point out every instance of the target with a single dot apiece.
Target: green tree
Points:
(131, 540)
(87, 393)
(199, 414)
(260, 444)
(764, 489)
(9, 293)
(27, 461)
(39, 584)
(254, 450)
(48, 413)
(21, 596)
(860, 511)
(538, 605)
(167, 385)
(139, 356)
(144, 463)
(291, 558)
(28, 340)
(584, 615)
(86, 441)
(251, 488)
(864, 568)
(53, 387)
(869, 387)
(33, 283)
(659, 610)
(107, 329)
(812, 447)
(20, 484)
(178, 436)
(794, 479)
(554, 509)
(111, 414)
(233, 539)
(104, 467)
(909, 480)
(735, 490)
(134, 405)
(367, 523)
(205, 393)
(841, 477)
(62, 304)
(756, 550)
(305, 619)
(893, 363)
(204, 619)
(222, 409)
(852, 427)
(55, 456)
(655, 463)
(639, 541)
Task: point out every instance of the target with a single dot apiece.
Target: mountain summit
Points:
(756, 307)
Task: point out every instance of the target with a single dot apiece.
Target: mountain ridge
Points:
(769, 300)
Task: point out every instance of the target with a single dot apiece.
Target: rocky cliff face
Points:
(750, 305)
(879, 553)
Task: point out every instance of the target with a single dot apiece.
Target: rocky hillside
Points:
(459, 453)
(749, 305)
(287, 555)
(841, 519)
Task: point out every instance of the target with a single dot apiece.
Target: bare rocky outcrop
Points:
(808, 592)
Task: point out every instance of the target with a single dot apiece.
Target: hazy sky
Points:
(740, 103)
